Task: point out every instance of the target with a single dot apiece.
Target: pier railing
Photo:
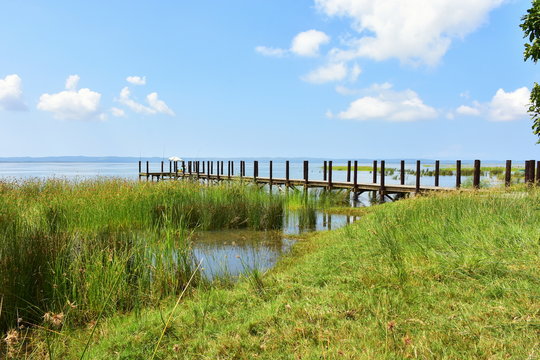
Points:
(204, 170)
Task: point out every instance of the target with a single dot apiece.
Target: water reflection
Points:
(233, 252)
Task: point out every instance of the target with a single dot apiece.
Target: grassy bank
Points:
(66, 247)
(444, 277)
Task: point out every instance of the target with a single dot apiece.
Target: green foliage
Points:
(531, 30)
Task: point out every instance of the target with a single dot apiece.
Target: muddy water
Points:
(233, 252)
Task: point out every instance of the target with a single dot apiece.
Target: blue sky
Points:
(317, 78)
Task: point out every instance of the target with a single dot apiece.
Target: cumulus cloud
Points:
(155, 105)
(72, 104)
(417, 31)
(116, 112)
(508, 106)
(11, 94)
(504, 106)
(386, 104)
(468, 110)
(270, 51)
(327, 73)
(307, 43)
(136, 80)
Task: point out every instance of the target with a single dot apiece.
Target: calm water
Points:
(234, 252)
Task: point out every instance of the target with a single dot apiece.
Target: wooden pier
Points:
(204, 171)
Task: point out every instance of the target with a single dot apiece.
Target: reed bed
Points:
(66, 246)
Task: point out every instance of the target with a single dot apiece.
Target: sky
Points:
(275, 78)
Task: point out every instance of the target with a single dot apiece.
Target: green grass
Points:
(451, 276)
(64, 246)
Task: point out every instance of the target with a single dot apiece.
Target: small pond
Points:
(230, 253)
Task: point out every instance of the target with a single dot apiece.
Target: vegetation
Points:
(451, 276)
(65, 247)
(531, 31)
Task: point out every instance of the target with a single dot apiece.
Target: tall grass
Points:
(64, 246)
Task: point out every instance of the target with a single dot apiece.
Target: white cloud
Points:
(136, 80)
(355, 72)
(72, 104)
(307, 43)
(388, 105)
(418, 31)
(468, 110)
(11, 93)
(155, 105)
(327, 73)
(508, 106)
(270, 51)
(504, 106)
(116, 112)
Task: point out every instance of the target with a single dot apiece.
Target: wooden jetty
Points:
(204, 171)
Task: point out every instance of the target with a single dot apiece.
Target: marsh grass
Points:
(449, 276)
(63, 244)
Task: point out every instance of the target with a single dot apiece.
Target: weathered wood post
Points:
(140, 169)
(374, 171)
(383, 178)
(232, 168)
(532, 166)
(147, 170)
(458, 174)
(183, 168)
(222, 167)
(476, 174)
(287, 178)
(306, 174)
(508, 173)
(417, 188)
(355, 179)
(348, 171)
(330, 175)
(176, 169)
(161, 166)
(437, 170)
(324, 170)
(526, 171)
(538, 173)
(271, 173)
(218, 172)
(255, 170)
(402, 172)
(170, 168)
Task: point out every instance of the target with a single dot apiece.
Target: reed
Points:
(63, 244)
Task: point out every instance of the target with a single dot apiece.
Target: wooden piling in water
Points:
(147, 170)
(508, 173)
(417, 189)
(476, 175)
(383, 178)
(306, 173)
(162, 166)
(458, 174)
(374, 171)
(348, 171)
(402, 172)
(355, 179)
(324, 170)
(255, 170)
(287, 174)
(271, 172)
(437, 170)
(330, 174)
(532, 176)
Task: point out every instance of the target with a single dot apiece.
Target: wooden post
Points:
(176, 169)
(355, 179)
(232, 168)
(271, 170)
(458, 174)
(374, 171)
(330, 174)
(532, 166)
(476, 175)
(170, 167)
(255, 170)
(147, 170)
(437, 170)
(162, 166)
(140, 168)
(402, 172)
(349, 171)
(306, 173)
(218, 173)
(324, 171)
(221, 167)
(183, 168)
(526, 171)
(287, 173)
(508, 173)
(417, 188)
(538, 173)
(381, 189)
